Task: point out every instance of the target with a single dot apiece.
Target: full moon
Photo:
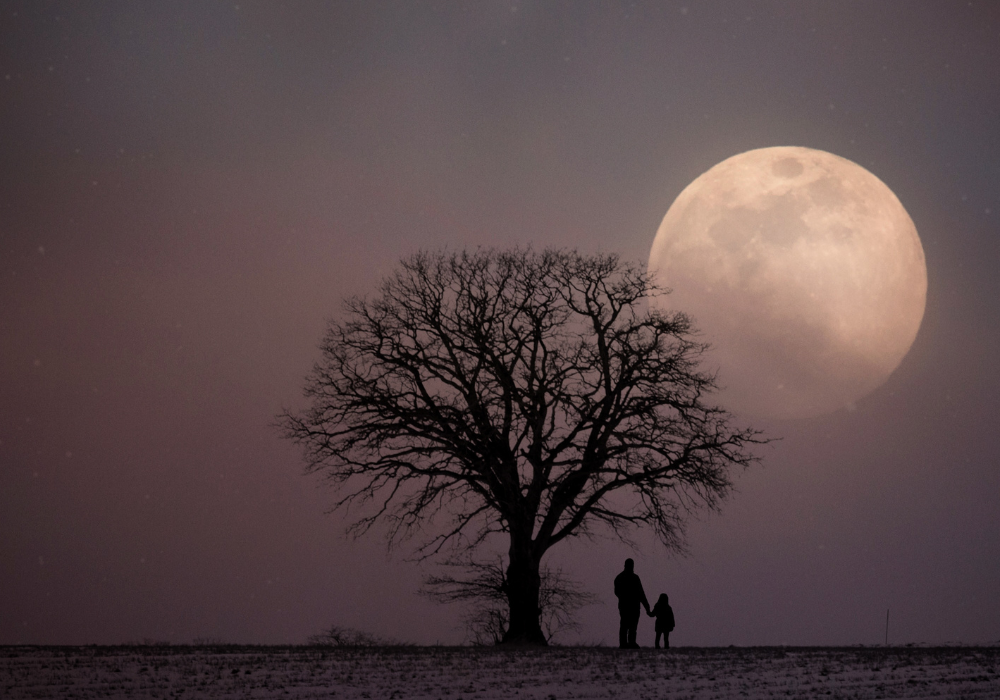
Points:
(802, 271)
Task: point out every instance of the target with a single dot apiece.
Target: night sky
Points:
(189, 189)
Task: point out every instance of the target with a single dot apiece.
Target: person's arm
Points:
(642, 594)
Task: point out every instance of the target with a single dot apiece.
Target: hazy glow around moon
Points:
(803, 271)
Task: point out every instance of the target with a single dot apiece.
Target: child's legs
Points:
(666, 640)
(657, 644)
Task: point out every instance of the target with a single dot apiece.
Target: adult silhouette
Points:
(628, 588)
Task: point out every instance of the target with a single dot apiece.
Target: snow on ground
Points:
(966, 673)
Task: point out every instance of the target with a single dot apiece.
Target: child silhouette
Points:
(664, 615)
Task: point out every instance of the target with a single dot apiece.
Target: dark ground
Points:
(162, 671)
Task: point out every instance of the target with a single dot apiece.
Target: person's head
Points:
(629, 565)
(663, 599)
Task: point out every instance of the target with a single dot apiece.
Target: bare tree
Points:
(485, 593)
(530, 395)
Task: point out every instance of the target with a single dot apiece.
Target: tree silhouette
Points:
(485, 591)
(529, 394)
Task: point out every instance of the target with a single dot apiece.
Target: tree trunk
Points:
(523, 584)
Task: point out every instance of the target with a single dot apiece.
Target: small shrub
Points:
(336, 636)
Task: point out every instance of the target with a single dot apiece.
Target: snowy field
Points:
(962, 673)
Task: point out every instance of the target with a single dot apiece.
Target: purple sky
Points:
(188, 190)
